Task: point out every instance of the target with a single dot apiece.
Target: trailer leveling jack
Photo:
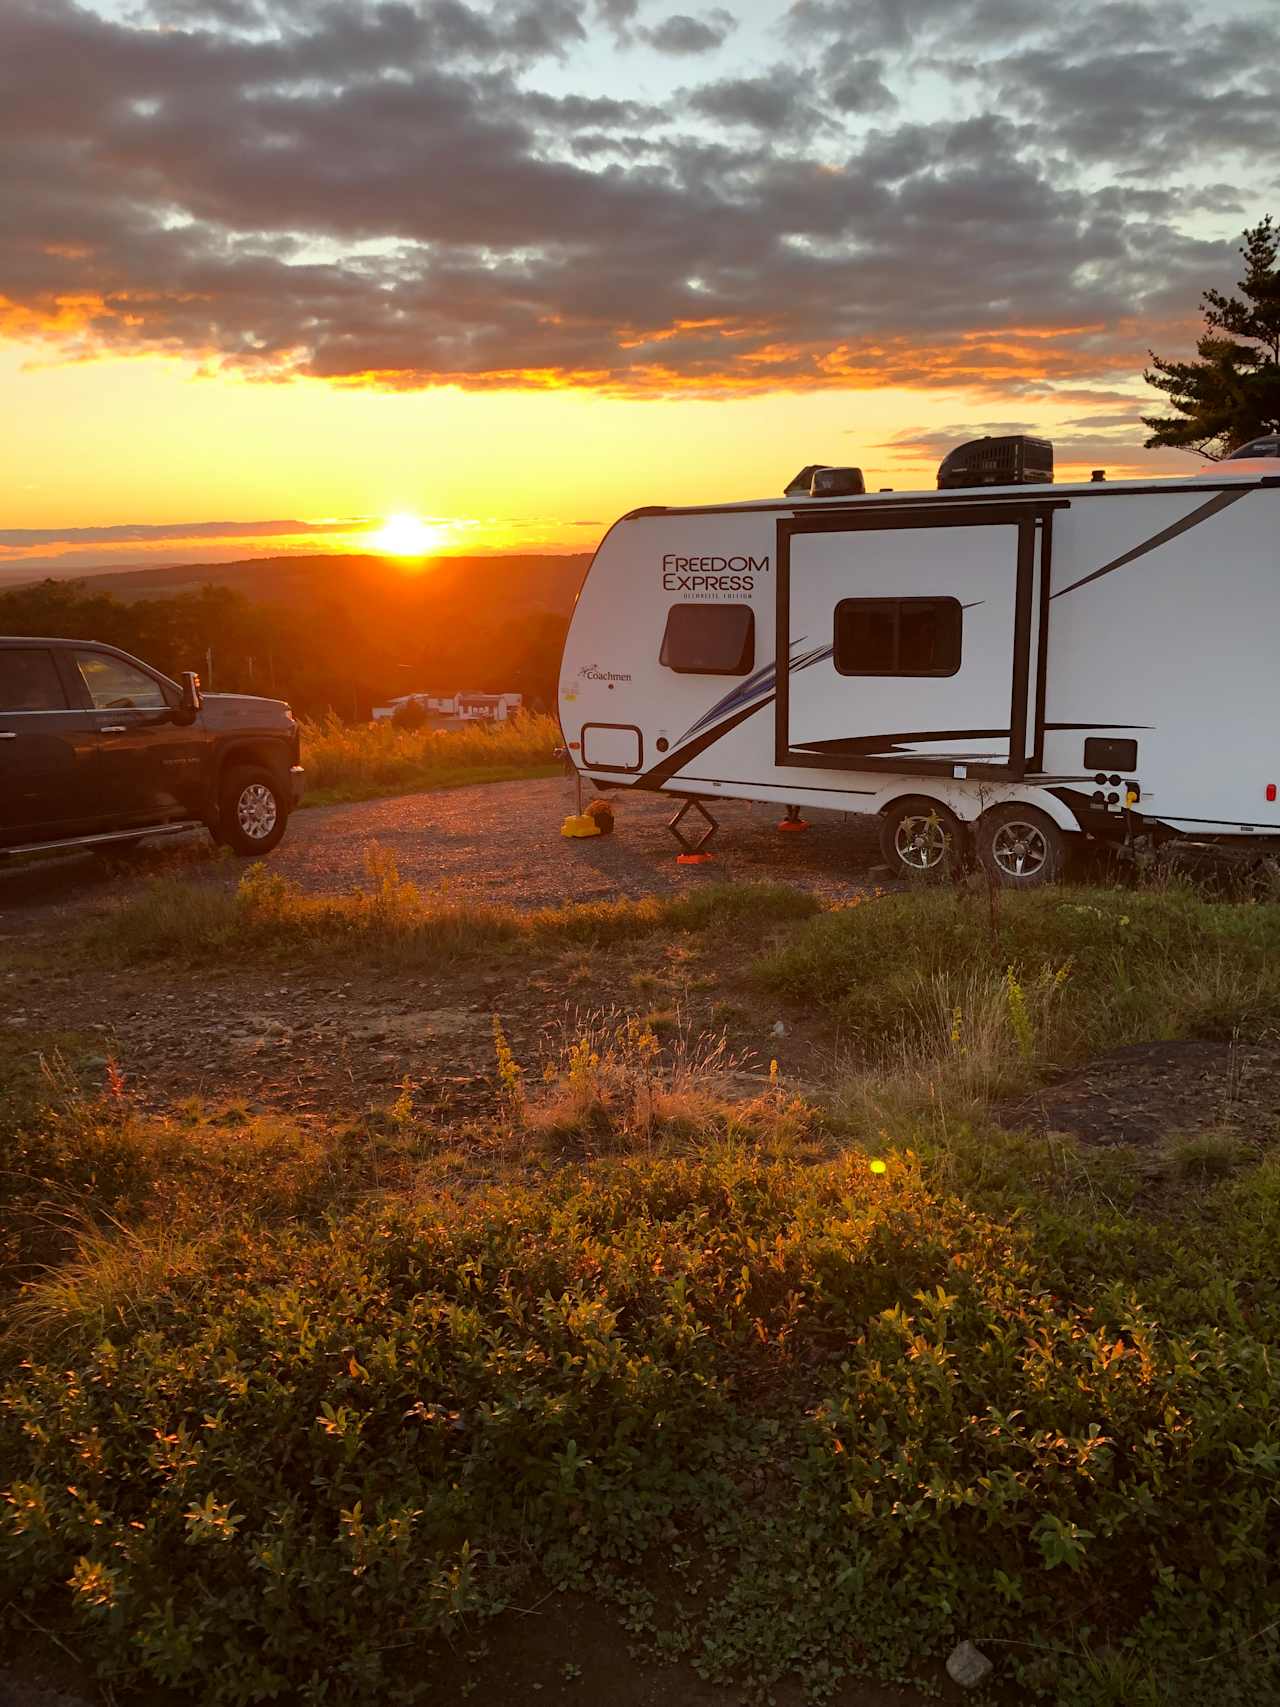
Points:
(692, 852)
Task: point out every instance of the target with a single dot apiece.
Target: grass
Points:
(393, 919)
(347, 762)
(286, 1403)
(1057, 975)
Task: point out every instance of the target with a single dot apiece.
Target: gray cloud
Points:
(775, 102)
(618, 15)
(859, 87)
(682, 35)
(382, 193)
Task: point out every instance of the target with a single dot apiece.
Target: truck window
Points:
(897, 637)
(116, 686)
(709, 640)
(29, 680)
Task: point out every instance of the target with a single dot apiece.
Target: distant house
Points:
(460, 707)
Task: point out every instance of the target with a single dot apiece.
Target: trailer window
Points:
(897, 637)
(710, 640)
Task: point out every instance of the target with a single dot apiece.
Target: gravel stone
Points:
(968, 1666)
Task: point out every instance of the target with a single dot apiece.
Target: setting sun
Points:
(406, 536)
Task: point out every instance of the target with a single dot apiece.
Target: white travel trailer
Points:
(1018, 664)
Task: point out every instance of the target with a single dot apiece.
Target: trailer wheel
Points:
(1020, 846)
(921, 838)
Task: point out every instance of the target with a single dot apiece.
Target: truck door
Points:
(149, 768)
(913, 637)
(47, 748)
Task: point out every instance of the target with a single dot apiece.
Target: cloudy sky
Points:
(517, 267)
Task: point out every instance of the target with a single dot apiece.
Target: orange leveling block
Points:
(793, 820)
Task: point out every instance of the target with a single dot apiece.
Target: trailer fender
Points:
(1049, 804)
(969, 800)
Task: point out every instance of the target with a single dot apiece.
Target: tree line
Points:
(336, 652)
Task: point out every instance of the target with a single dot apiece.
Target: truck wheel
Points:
(253, 810)
(1021, 847)
(921, 838)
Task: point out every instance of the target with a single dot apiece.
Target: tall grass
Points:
(359, 761)
(609, 1085)
(1060, 973)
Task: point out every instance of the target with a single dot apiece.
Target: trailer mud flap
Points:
(917, 641)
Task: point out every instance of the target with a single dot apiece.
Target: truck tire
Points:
(253, 810)
(1021, 847)
(921, 838)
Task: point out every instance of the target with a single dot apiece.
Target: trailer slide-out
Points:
(1014, 664)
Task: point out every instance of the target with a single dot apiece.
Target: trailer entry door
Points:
(915, 638)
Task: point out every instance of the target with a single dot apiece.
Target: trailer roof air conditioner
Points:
(1013, 461)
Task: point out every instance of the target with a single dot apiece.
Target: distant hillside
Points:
(326, 632)
(527, 583)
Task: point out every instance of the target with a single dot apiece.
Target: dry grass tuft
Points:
(395, 919)
(358, 761)
(114, 1272)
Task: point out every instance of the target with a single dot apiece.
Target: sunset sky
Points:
(274, 270)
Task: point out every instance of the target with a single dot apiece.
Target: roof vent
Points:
(836, 483)
(802, 483)
(817, 480)
(1013, 461)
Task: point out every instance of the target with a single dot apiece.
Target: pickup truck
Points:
(97, 749)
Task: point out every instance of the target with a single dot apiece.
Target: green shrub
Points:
(860, 1402)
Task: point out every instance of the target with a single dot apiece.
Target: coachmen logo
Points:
(711, 574)
(594, 673)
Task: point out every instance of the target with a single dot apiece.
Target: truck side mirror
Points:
(191, 700)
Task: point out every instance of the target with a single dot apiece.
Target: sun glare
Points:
(406, 536)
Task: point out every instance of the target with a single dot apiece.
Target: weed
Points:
(1208, 1155)
(509, 1072)
(358, 761)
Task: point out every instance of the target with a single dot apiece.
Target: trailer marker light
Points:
(1271, 791)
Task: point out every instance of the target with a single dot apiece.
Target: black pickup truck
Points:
(98, 749)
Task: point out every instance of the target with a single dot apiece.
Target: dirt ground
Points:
(324, 1038)
(498, 841)
(1149, 1092)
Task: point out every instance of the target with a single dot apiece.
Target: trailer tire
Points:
(922, 839)
(1021, 847)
